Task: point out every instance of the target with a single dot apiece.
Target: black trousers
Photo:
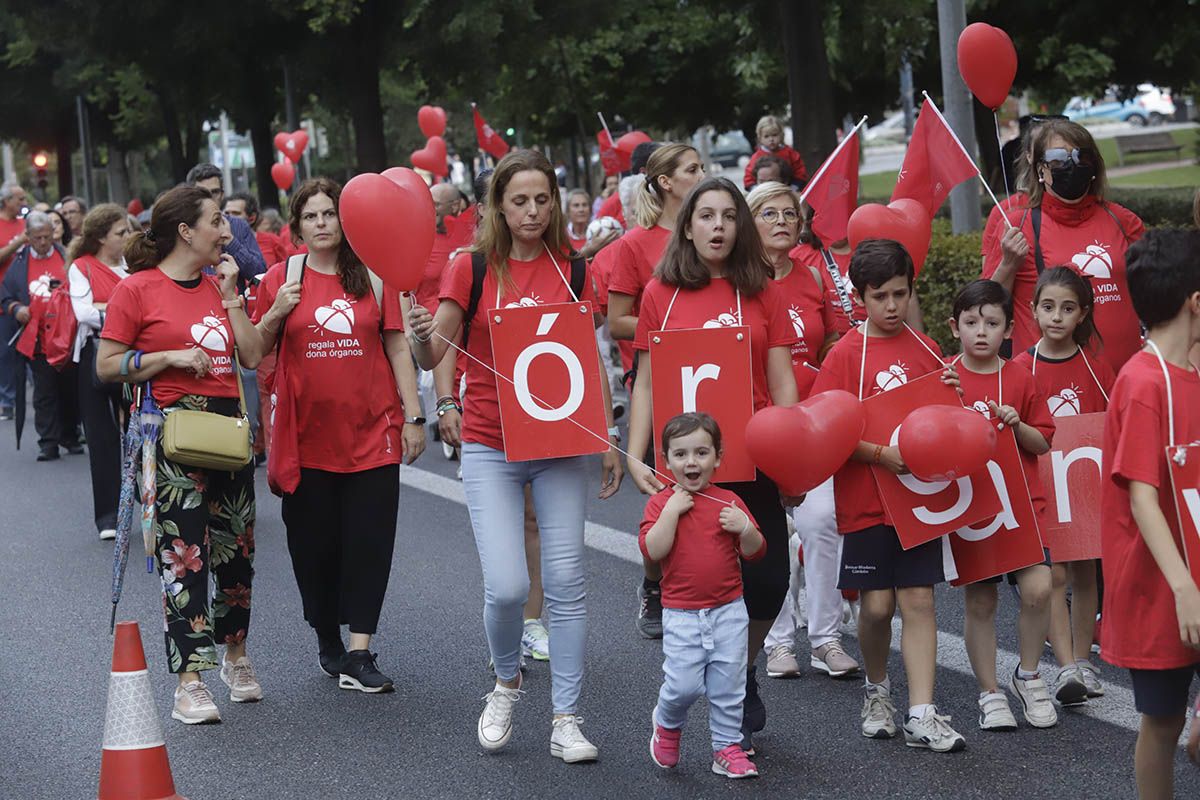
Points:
(765, 581)
(100, 410)
(341, 530)
(55, 404)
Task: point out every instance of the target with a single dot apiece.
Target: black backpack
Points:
(479, 271)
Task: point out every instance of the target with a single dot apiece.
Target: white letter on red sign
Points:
(574, 375)
(1005, 517)
(966, 493)
(691, 380)
(1192, 498)
(1060, 464)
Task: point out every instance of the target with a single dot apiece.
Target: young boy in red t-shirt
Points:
(1151, 600)
(697, 531)
(883, 354)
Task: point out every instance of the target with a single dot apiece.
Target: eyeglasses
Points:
(771, 216)
(1060, 157)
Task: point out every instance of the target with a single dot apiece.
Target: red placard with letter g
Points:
(705, 369)
(554, 406)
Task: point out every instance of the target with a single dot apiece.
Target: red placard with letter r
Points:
(1071, 477)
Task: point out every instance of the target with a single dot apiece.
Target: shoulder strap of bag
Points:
(1120, 227)
(578, 275)
(295, 267)
(478, 273)
(237, 373)
(1038, 258)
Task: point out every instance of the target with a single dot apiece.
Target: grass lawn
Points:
(1177, 176)
(876, 185)
(1188, 137)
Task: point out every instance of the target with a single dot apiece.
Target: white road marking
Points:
(1115, 708)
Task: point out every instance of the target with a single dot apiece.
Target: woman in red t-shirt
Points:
(339, 430)
(714, 273)
(173, 327)
(523, 238)
(97, 266)
(1067, 221)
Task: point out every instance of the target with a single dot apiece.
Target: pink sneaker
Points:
(732, 762)
(664, 746)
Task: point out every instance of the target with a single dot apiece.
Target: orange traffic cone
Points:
(134, 763)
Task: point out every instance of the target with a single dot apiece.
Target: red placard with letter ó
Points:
(1010, 540)
(1184, 461)
(550, 354)
(922, 511)
(1071, 478)
(705, 369)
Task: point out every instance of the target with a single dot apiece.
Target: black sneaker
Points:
(649, 618)
(74, 449)
(332, 652)
(48, 454)
(754, 713)
(6, 413)
(359, 672)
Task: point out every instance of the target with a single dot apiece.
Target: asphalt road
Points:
(307, 739)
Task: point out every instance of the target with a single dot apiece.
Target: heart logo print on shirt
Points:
(526, 302)
(727, 320)
(893, 377)
(41, 286)
(337, 317)
(1065, 403)
(210, 334)
(1094, 261)
(797, 321)
(982, 408)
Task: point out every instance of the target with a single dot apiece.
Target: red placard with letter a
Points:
(554, 407)
(1185, 486)
(1070, 475)
(922, 511)
(705, 369)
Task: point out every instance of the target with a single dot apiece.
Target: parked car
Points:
(1151, 106)
(891, 129)
(730, 149)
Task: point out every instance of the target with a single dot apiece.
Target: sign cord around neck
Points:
(671, 305)
(862, 367)
(1080, 352)
(554, 261)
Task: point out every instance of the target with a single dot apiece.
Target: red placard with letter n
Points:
(705, 369)
(554, 406)
(1071, 478)
(1184, 461)
(922, 511)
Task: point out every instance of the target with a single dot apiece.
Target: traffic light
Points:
(40, 161)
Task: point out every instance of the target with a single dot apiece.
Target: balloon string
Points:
(570, 419)
(1000, 150)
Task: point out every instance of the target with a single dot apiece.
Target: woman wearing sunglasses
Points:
(1067, 221)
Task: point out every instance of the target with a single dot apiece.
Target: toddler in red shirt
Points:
(1151, 599)
(697, 531)
(769, 133)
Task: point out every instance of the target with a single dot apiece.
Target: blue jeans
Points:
(495, 492)
(8, 362)
(704, 655)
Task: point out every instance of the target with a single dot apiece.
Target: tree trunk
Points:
(362, 84)
(989, 150)
(64, 150)
(179, 165)
(810, 88)
(264, 157)
(118, 175)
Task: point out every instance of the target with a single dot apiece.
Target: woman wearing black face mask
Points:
(1067, 222)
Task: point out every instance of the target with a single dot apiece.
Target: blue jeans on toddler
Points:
(704, 655)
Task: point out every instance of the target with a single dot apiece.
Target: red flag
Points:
(489, 141)
(613, 160)
(935, 162)
(833, 191)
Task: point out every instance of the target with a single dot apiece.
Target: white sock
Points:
(885, 684)
(1025, 674)
(919, 711)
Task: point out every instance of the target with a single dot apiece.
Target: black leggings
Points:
(765, 581)
(341, 529)
(99, 408)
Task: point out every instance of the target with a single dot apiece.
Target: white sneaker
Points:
(568, 742)
(933, 732)
(535, 641)
(194, 704)
(994, 713)
(495, 723)
(107, 535)
(1091, 679)
(239, 677)
(1069, 687)
(1035, 700)
(878, 714)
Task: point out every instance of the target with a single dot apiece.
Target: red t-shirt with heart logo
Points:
(348, 409)
(716, 306)
(1071, 388)
(804, 298)
(891, 362)
(529, 283)
(149, 311)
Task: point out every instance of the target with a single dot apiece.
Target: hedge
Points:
(953, 261)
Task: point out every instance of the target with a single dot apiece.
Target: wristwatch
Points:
(414, 420)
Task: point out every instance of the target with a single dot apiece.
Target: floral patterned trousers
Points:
(204, 525)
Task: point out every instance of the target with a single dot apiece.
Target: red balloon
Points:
(281, 140)
(905, 221)
(389, 226)
(629, 141)
(988, 63)
(800, 447)
(296, 145)
(283, 173)
(431, 120)
(416, 186)
(432, 157)
(944, 443)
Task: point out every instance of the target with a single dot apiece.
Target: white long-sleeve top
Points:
(86, 314)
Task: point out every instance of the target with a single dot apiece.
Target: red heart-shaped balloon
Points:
(432, 157)
(281, 141)
(431, 120)
(283, 173)
(988, 63)
(800, 447)
(945, 443)
(631, 140)
(389, 226)
(905, 221)
(295, 145)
